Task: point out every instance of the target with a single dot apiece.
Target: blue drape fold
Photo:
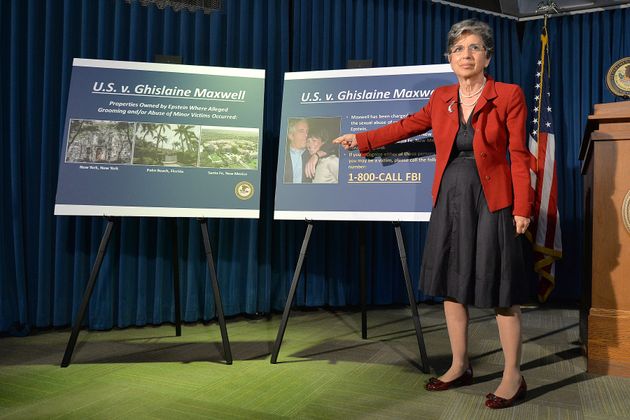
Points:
(45, 260)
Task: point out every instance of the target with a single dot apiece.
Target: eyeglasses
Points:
(472, 48)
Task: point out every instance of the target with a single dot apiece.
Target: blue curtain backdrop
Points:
(582, 48)
(45, 260)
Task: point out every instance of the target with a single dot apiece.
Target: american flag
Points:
(544, 232)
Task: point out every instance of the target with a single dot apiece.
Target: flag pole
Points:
(545, 7)
(546, 249)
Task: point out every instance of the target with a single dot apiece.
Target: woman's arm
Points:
(409, 126)
(519, 154)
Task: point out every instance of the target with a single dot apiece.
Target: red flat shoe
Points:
(492, 401)
(434, 384)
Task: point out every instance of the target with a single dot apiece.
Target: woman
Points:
(327, 163)
(482, 203)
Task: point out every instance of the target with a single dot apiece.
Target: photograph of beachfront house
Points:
(166, 144)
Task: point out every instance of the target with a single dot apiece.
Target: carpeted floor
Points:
(324, 371)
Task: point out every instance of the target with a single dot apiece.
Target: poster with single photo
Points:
(316, 180)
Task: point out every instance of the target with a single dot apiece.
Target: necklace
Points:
(472, 103)
(475, 93)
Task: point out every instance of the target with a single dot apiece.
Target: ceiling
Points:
(527, 8)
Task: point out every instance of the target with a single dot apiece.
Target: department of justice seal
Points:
(625, 211)
(244, 190)
(618, 78)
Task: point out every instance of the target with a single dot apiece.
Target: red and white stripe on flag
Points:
(544, 232)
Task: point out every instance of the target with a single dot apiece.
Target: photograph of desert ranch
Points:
(229, 147)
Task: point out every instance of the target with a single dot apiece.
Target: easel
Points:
(111, 223)
(407, 278)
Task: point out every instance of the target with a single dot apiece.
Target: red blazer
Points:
(499, 123)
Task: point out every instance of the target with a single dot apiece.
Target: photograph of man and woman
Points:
(310, 156)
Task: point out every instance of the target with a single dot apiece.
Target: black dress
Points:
(471, 255)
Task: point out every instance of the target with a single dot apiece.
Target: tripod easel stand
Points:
(112, 222)
(410, 294)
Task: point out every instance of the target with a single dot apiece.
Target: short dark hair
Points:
(320, 133)
(327, 145)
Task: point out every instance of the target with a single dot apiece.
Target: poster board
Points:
(392, 184)
(147, 139)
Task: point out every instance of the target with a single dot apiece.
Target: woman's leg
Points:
(509, 322)
(456, 315)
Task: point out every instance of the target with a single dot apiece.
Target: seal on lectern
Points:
(625, 211)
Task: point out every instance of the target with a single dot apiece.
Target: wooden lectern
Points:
(605, 318)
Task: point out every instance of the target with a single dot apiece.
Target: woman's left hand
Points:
(521, 223)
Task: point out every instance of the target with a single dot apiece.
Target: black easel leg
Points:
(217, 294)
(89, 288)
(178, 310)
(362, 280)
(294, 283)
(412, 299)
